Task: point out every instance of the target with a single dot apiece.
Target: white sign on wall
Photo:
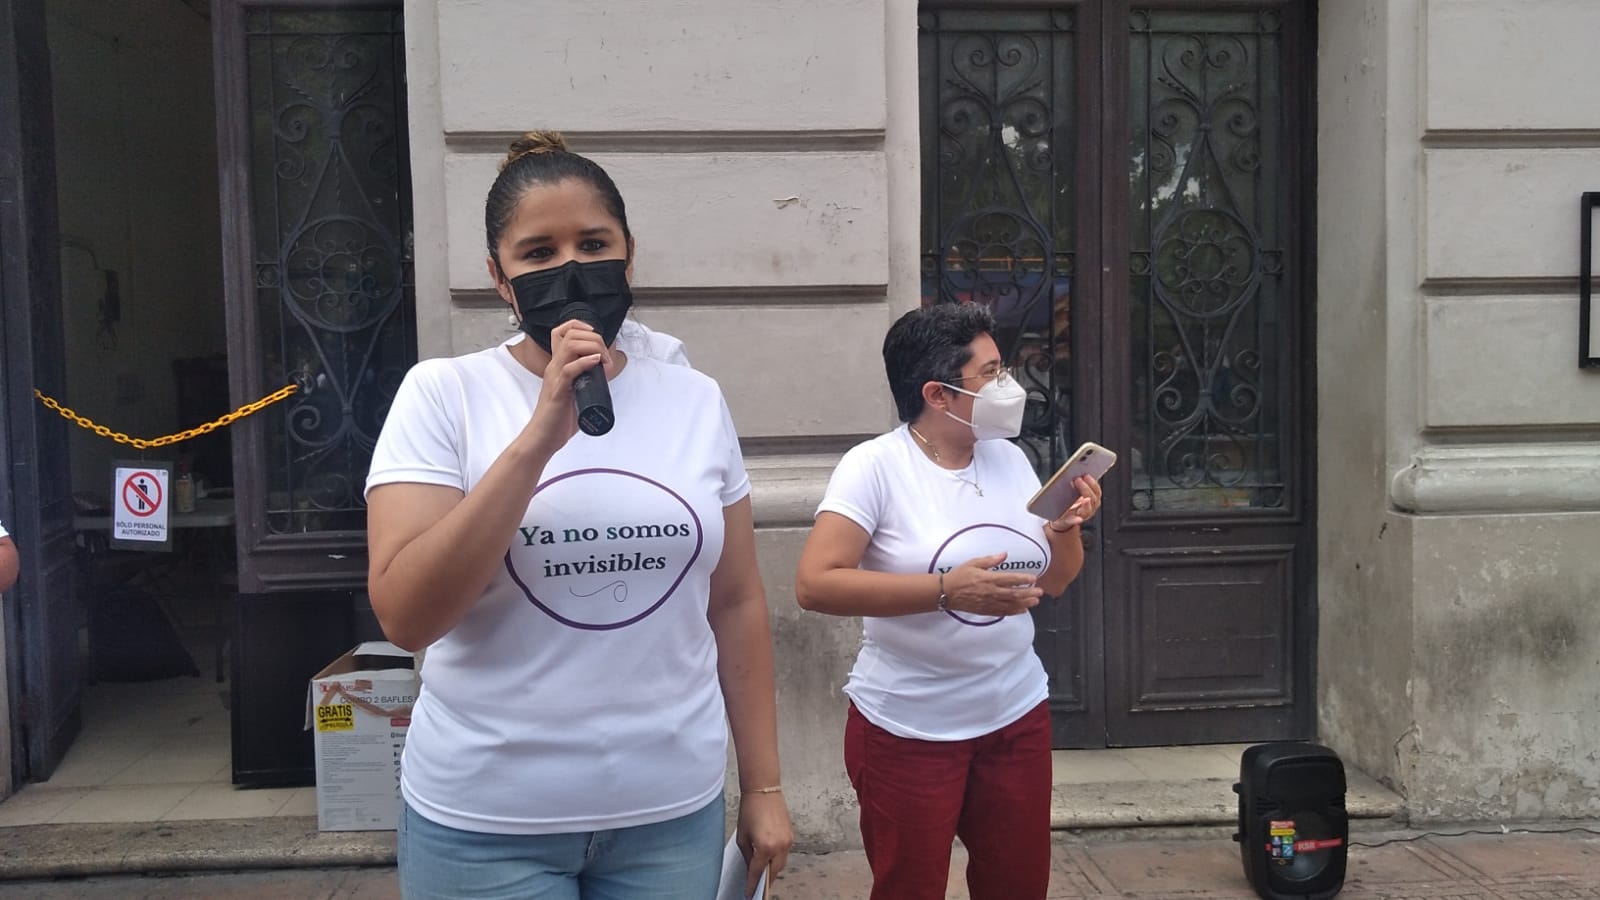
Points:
(140, 500)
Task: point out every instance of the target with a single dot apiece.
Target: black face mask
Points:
(543, 296)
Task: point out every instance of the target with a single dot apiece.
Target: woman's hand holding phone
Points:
(1082, 509)
(1072, 495)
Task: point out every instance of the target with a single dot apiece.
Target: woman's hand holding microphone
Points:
(575, 348)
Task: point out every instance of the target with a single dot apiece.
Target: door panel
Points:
(293, 635)
(42, 628)
(1208, 639)
(52, 661)
(317, 266)
(1127, 187)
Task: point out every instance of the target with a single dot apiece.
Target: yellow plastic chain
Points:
(142, 444)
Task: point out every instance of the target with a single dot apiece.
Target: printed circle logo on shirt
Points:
(605, 548)
(1023, 554)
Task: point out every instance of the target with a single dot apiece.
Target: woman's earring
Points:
(512, 318)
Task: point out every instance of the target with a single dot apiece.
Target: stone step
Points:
(282, 842)
(1112, 810)
(1196, 802)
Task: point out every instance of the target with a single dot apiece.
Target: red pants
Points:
(916, 797)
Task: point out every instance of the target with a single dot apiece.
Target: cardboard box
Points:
(360, 709)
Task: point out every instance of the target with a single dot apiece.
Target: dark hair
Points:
(930, 344)
(542, 157)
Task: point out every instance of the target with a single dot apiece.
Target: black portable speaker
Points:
(1294, 833)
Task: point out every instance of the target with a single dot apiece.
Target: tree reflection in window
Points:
(1206, 273)
(998, 207)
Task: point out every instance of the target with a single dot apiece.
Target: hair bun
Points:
(534, 142)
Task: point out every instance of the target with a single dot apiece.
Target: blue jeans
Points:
(680, 859)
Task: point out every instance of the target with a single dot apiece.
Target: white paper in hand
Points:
(734, 869)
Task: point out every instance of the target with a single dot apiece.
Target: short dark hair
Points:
(930, 344)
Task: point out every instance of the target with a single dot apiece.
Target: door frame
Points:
(44, 665)
(301, 598)
(1084, 712)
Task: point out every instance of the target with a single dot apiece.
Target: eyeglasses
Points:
(1002, 373)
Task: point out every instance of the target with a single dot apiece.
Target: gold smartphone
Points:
(1058, 494)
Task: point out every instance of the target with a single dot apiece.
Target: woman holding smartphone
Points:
(924, 532)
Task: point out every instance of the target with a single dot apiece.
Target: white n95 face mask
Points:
(997, 409)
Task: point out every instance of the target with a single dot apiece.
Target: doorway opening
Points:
(145, 353)
(230, 216)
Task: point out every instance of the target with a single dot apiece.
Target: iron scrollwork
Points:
(333, 270)
(1206, 280)
(997, 196)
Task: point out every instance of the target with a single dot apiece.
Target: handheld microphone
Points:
(589, 390)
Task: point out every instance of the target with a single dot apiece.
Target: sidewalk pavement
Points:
(1548, 865)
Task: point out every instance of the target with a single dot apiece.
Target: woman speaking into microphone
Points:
(590, 602)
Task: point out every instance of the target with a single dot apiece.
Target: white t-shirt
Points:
(635, 339)
(942, 676)
(3, 531)
(580, 692)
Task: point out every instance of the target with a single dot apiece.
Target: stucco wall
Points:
(1364, 623)
(768, 153)
(1507, 708)
(1508, 674)
(1462, 670)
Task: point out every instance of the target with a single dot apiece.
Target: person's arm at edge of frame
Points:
(9, 564)
(738, 616)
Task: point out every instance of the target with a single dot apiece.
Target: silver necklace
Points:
(959, 477)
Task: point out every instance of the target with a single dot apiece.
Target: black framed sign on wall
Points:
(1588, 323)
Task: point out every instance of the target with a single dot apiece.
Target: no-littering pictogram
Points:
(141, 494)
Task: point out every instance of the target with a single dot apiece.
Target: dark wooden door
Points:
(317, 239)
(317, 266)
(1209, 555)
(46, 667)
(1128, 187)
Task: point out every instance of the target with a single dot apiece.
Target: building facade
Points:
(778, 189)
(1310, 267)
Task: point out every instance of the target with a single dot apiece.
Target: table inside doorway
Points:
(209, 512)
(202, 536)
